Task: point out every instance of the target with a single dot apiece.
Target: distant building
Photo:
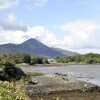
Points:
(51, 60)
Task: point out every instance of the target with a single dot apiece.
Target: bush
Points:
(10, 91)
(26, 58)
(7, 63)
(11, 73)
(45, 61)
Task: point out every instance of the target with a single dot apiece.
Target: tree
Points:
(34, 60)
(27, 58)
(45, 61)
(39, 60)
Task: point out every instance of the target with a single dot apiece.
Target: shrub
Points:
(11, 73)
(11, 91)
(26, 58)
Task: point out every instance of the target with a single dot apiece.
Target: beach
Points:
(58, 84)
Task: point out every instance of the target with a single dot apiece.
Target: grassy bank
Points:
(34, 73)
(51, 65)
(44, 65)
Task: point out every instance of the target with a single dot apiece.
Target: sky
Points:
(68, 24)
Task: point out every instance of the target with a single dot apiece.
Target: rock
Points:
(52, 85)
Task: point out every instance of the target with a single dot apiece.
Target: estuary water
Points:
(89, 73)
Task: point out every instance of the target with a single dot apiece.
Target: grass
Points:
(34, 73)
(63, 81)
(51, 65)
(45, 65)
(12, 91)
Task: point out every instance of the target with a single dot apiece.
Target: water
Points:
(89, 73)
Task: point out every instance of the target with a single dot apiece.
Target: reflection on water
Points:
(70, 96)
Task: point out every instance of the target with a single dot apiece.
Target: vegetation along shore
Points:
(18, 85)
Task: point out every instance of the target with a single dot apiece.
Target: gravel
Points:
(54, 84)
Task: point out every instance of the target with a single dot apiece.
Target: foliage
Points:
(22, 58)
(13, 81)
(45, 61)
(26, 58)
(11, 73)
(35, 73)
(90, 58)
(7, 63)
(38, 60)
(12, 91)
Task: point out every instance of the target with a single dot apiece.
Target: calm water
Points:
(89, 73)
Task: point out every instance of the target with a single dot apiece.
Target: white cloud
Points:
(82, 34)
(17, 36)
(39, 3)
(83, 37)
(42, 34)
(38, 32)
(11, 37)
(11, 18)
(4, 4)
(35, 3)
(10, 24)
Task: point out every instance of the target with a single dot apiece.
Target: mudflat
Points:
(58, 84)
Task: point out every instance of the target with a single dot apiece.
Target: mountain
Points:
(32, 47)
(66, 52)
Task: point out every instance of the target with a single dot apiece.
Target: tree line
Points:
(22, 58)
(89, 58)
(18, 58)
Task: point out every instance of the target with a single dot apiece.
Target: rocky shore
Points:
(58, 83)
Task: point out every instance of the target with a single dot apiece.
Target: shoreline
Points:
(49, 65)
(69, 96)
(57, 84)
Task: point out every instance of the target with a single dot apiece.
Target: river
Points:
(89, 73)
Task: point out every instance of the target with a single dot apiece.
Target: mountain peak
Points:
(30, 41)
(32, 47)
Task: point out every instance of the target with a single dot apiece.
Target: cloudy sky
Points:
(69, 24)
